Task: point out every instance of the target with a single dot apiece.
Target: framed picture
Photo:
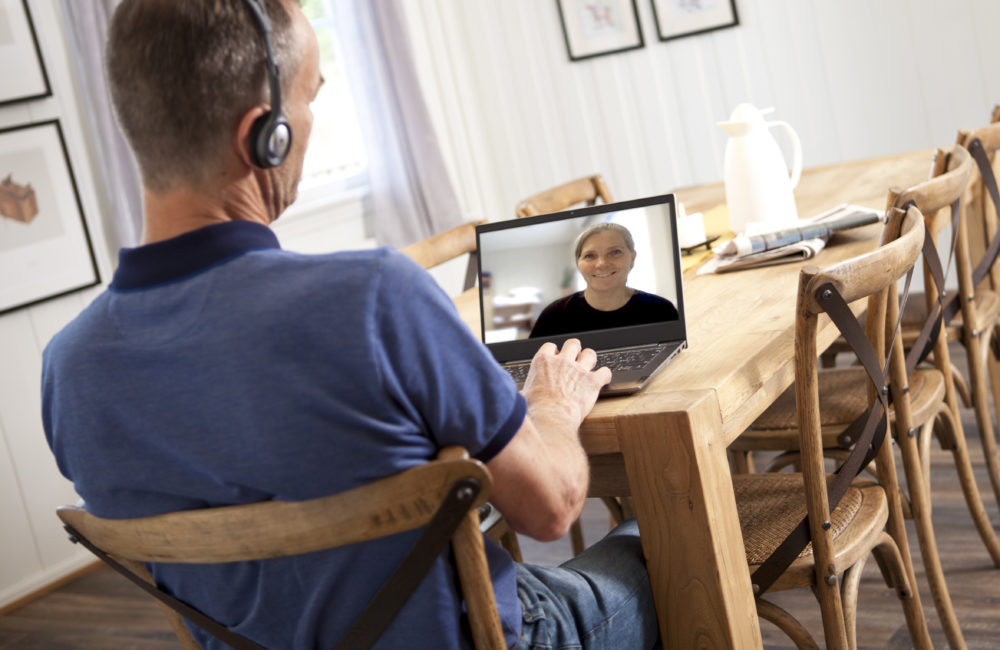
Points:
(595, 27)
(678, 18)
(21, 66)
(45, 248)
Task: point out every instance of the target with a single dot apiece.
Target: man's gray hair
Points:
(182, 73)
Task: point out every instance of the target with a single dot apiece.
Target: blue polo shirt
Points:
(218, 369)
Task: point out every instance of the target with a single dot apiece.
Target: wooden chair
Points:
(583, 190)
(931, 405)
(980, 297)
(445, 246)
(936, 198)
(447, 490)
(868, 517)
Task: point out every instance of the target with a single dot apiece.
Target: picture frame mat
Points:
(671, 22)
(584, 41)
(21, 66)
(53, 254)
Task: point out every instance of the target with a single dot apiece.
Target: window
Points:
(335, 161)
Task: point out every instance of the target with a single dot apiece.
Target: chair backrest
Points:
(951, 171)
(583, 190)
(445, 246)
(271, 529)
(937, 199)
(872, 276)
(981, 215)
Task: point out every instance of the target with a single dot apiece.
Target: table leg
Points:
(681, 485)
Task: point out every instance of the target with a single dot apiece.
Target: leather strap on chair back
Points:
(944, 309)
(979, 154)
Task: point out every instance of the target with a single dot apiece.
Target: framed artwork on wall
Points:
(596, 27)
(22, 70)
(45, 247)
(679, 18)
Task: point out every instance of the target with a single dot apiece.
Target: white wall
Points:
(856, 78)
(33, 548)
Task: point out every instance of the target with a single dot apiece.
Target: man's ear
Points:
(241, 141)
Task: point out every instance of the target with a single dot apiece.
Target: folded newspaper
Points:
(793, 244)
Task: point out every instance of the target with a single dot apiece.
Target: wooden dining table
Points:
(666, 445)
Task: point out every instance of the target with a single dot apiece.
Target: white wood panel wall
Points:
(855, 78)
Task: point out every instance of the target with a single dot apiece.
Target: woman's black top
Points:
(573, 314)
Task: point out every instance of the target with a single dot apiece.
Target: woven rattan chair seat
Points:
(843, 397)
(771, 505)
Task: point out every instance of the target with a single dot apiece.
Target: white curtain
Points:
(411, 191)
(117, 174)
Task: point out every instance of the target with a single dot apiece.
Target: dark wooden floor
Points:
(101, 611)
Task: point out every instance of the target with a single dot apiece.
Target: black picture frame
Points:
(599, 27)
(682, 18)
(45, 246)
(27, 79)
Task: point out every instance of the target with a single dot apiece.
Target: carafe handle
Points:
(796, 172)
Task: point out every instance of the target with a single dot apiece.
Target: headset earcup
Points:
(270, 140)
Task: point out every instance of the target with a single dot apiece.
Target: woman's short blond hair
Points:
(602, 227)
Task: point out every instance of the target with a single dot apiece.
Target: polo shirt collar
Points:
(187, 254)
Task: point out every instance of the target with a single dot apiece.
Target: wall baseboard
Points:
(43, 582)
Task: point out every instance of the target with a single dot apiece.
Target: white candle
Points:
(691, 230)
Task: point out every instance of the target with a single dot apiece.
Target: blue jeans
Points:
(599, 599)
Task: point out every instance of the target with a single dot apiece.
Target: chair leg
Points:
(740, 462)
(894, 570)
(981, 402)
(962, 386)
(176, 621)
(926, 433)
(576, 537)
(849, 595)
(828, 359)
(832, 610)
(616, 513)
(892, 552)
(920, 508)
(628, 507)
(787, 623)
(474, 573)
(990, 446)
(967, 480)
(509, 541)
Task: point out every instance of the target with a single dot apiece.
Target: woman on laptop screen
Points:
(605, 253)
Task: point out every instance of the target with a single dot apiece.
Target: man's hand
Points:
(565, 379)
(541, 476)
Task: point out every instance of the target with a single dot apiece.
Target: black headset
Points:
(271, 134)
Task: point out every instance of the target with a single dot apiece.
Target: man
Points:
(218, 369)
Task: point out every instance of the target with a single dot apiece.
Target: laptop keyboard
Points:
(620, 360)
(615, 360)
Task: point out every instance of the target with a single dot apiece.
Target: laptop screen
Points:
(538, 276)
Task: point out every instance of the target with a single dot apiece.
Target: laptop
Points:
(531, 289)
